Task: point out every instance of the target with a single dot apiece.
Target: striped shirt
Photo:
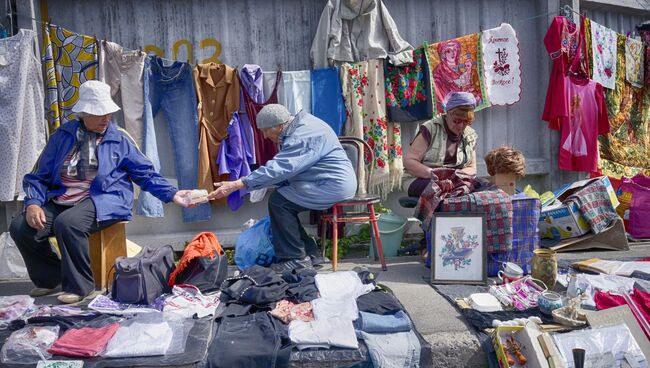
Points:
(76, 190)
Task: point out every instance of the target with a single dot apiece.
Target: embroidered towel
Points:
(456, 66)
(501, 66)
(634, 62)
(603, 43)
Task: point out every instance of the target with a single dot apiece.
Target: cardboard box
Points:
(505, 182)
(564, 220)
(530, 347)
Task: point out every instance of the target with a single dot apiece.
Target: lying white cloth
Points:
(342, 284)
(324, 333)
(345, 308)
(140, 339)
(188, 300)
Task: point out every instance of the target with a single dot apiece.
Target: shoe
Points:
(317, 260)
(292, 264)
(69, 298)
(36, 292)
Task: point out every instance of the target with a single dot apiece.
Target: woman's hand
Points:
(35, 217)
(224, 188)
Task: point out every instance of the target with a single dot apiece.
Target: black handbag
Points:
(205, 273)
(143, 278)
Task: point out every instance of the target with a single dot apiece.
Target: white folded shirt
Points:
(327, 332)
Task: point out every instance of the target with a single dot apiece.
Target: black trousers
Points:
(72, 226)
(290, 240)
(256, 340)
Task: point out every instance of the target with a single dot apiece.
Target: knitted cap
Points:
(272, 115)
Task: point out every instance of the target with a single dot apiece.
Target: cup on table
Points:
(510, 272)
(549, 301)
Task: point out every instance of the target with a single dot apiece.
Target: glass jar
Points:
(545, 267)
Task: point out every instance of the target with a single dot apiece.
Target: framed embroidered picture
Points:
(458, 249)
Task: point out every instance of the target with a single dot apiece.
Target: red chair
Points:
(357, 151)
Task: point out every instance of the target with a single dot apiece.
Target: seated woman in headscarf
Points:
(447, 141)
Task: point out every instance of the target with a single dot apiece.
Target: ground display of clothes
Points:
(264, 319)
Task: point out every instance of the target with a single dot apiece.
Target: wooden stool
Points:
(104, 247)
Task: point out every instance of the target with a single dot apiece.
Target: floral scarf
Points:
(364, 94)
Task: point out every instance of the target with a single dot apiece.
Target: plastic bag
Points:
(638, 188)
(253, 247)
(12, 265)
(14, 307)
(29, 345)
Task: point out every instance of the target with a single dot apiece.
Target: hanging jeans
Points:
(122, 70)
(256, 340)
(170, 88)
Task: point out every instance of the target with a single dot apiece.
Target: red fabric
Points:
(205, 244)
(84, 342)
(265, 149)
(641, 300)
(563, 42)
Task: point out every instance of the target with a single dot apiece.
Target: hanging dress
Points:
(265, 149)
(22, 119)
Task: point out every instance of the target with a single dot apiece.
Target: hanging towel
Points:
(70, 59)
(603, 44)
(408, 89)
(327, 98)
(634, 62)
(456, 66)
(364, 94)
(297, 91)
(501, 66)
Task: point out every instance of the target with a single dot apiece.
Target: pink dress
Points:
(587, 119)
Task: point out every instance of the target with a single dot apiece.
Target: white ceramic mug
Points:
(512, 269)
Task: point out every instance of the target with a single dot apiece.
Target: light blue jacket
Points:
(311, 169)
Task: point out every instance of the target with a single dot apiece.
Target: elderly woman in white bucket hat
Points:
(81, 183)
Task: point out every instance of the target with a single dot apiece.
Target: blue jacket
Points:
(311, 169)
(119, 163)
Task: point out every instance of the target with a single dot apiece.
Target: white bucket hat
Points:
(95, 99)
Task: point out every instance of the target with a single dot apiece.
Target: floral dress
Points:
(364, 94)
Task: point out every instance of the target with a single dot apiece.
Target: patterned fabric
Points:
(70, 59)
(363, 91)
(525, 236)
(595, 205)
(408, 89)
(603, 44)
(445, 183)
(501, 66)
(287, 311)
(22, 132)
(497, 205)
(76, 173)
(634, 62)
(456, 65)
(625, 151)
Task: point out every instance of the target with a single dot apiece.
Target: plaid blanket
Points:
(595, 205)
(497, 205)
(525, 236)
(445, 183)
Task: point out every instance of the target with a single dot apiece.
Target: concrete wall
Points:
(277, 34)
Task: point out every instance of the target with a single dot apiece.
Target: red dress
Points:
(563, 42)
(265, 149)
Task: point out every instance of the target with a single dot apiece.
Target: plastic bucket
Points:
(391, 231)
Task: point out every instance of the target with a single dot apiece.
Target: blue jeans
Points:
(171, 89)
